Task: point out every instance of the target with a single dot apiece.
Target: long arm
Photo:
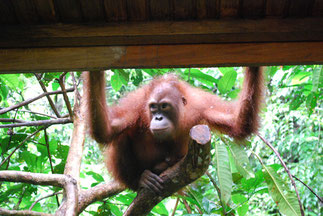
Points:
(239, 119)
(98, 119)
(106, 122)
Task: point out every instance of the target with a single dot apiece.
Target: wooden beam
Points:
(159, 56)
(150, 33)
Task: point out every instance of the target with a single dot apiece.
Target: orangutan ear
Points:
(184, 100)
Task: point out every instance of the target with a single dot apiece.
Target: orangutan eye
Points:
(165, 106)
(153, 107)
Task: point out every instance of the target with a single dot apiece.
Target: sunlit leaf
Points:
(317, 77)
(285, 199)
(96, 176)
(160, 209)
(226, 83)
(241, 160)
(116, 81)
(11, 80)
(200, 76)
(243, 209)
(225, 70)
(223, 171)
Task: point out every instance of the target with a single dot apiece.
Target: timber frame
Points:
(70, 35)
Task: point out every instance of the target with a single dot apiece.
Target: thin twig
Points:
(308, 187)
(22, 212)
(51, 103)
(12, 120)
(40, 199)
(37, 113)
(187, 206)
(50, 159)
(2, 111)
(218, 191)
(16, 207)
(39, 123)
(28, 137)
(175, 207)
(67, 102)
(286, 169)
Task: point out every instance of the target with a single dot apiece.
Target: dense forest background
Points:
(250, 180)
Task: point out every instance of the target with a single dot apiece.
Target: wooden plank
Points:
(26, 11)
(208, 9)
(92, 10)
(45, 10)
(229, 8)
(275, 8)
(184, 9)
(137, 10)
(160, 10)
(318, 8)
(253, 8)
(201, 9)
(159, 56)
(7, 13)
(213, 9)
(68, 10)
(115, 10)
(146, 33)
(300, 8)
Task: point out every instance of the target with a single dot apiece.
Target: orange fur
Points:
(125, 127)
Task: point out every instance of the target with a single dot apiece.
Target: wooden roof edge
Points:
(159, 56)
(167, 32)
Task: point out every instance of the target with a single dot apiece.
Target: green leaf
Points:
(298, 100)
(11, 80)
(115, 210)
(96, 176)
(234, 94)
(30, 160)
(241, 160)
(317, 77)
(243, 209)
(225, 70)
(160, 209)
(200, 76)
(138, 78)
(116, 81)
(123, 75)
(226, 83)
(285, 199)
(223, 171)
(55, 86)
(238, 198)
(311, 101)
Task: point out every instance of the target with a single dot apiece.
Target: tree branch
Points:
(51, 103)
(39, 123)
(57, 180)
(64, 181)
(308, 187)
(218, 191)
(2, 111)
(37, 113)
(286, 169)
(190, 168)
(67, 102)
(22, 213)
(12, 120)
(99, 192)
(74, 157)
(50, 159)
(45, 197)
